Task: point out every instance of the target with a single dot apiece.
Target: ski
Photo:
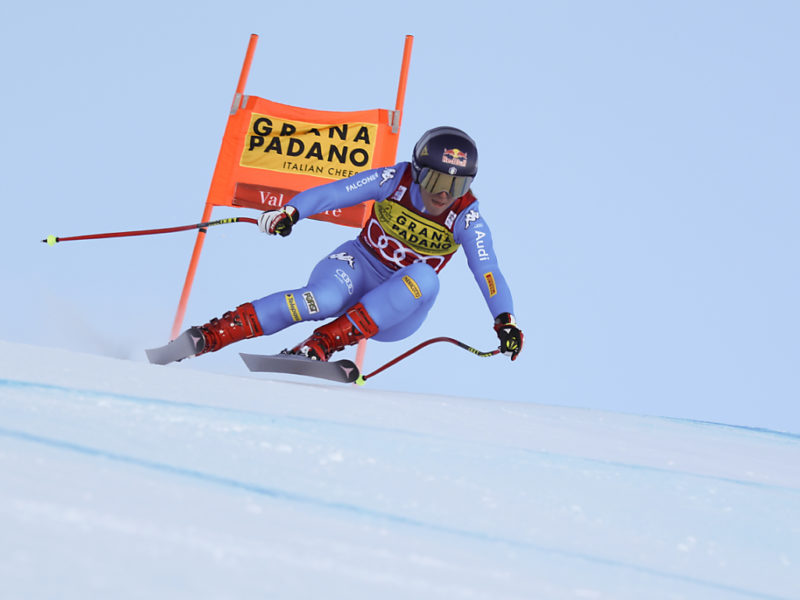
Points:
(185, 345)
(342, 371)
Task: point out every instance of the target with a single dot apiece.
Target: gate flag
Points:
(270, 152)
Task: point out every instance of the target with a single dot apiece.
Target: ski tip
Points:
(154, 356)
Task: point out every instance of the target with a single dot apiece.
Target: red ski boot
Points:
(235, 325)
(337, 334)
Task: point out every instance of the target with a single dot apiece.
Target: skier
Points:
(381, 284)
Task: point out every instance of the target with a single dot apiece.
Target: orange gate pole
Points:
(201, 235)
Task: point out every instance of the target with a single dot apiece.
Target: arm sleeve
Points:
(473, 233)
(374, 184)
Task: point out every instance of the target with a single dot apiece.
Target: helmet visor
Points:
(436, 182)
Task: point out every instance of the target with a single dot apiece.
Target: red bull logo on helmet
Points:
(454, 156)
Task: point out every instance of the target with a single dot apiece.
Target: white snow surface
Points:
(120, 479)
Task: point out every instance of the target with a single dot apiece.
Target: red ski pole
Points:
(52, 240)
(363, 378)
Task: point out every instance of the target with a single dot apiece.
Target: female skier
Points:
(381, 284)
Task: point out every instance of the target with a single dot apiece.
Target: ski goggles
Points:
(436, 182)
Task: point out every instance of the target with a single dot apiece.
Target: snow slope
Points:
(120, 479)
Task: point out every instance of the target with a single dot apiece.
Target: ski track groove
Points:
(362, 512)
(260, 416)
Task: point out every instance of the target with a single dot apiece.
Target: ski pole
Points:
(363, 378)
(52, 240)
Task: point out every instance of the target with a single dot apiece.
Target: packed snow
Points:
(120, 479)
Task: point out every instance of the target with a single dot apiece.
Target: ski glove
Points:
(278, 221)
(510, 335)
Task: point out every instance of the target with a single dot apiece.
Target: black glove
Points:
(278, 221)
(509, 334)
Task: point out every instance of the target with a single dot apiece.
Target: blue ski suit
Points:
(392, 266)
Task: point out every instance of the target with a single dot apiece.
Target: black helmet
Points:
(445, 159)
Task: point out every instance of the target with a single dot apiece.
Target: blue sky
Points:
(638, 170)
